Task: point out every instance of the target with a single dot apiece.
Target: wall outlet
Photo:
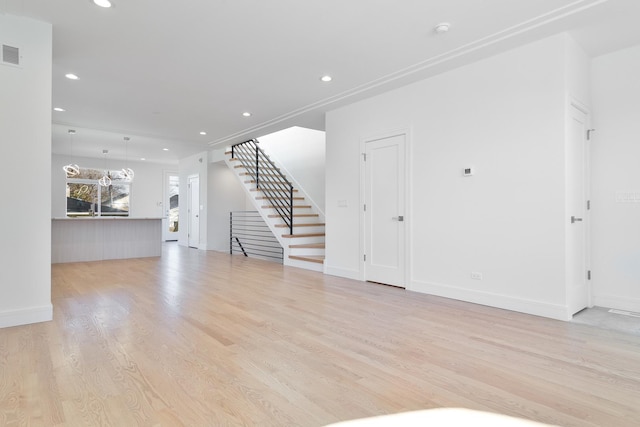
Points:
(627, 196)
(476, 276)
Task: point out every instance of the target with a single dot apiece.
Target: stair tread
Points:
(294, 206)
(301, 225)
(310, 258)
(253, 181)
(295, 215)
(261, 174)
(308, 246)
(260, 189)
(262, 167)
(278, 198)
(293, 236)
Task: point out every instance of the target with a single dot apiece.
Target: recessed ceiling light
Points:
(246, 114)
(102, 3)
(142, 158)
(71, 76)
(165, 149)
(203, 133)
(442, 28)
(326, 79)
(59, 109)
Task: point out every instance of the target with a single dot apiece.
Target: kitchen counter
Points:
(102, 238)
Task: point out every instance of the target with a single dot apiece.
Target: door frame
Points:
(584, 108)
(408, 203)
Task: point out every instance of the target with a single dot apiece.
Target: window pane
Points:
(87, 173)
(115, 200)
(81, 199)
(174, 187)
(117, 176)
(96, 174)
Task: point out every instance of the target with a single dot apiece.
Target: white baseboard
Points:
(621, 303)
(342, 272)
(506, 302)
(26, 316)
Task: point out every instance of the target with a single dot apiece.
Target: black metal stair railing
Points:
(251, 236)
(275, 187)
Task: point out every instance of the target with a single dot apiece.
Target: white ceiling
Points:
(161, 71)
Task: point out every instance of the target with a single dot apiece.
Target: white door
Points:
(171, 202)
(385, 210)
(194, 211)
(577, 196)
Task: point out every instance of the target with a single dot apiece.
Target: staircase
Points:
(297, 225)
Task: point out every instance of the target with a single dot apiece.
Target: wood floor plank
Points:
(207, 339)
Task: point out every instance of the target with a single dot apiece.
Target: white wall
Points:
(615, 160)
(25, 150)
(225, 194)
(146, 188)
(300, 153)
(506, 117)
(577, 72)
(196, 165)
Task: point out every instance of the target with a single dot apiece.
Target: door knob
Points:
(575, 219)
(398, 218)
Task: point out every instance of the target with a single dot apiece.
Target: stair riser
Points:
(297, 208)
(303, 240)
(299, 222)
(306, 251)
(306, 223)
(301, 230)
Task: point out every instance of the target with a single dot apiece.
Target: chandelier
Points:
(127, 172)
(71, 169)
(105, 181)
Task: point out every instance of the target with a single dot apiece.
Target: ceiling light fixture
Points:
(71, 169)
(442, 28)
(326, 78)
(71, 76)
(105, 181)
(102, 3)
(203, 133)
(127, 172)
(246, 114)
(143, 159)
(165, 149)
(59, 109)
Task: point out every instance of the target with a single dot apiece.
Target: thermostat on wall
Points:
(468, 171)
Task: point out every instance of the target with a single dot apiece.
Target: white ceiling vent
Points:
(10, 55)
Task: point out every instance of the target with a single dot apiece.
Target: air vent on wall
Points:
(10, 55)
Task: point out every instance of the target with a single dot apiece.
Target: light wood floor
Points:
(200, 338)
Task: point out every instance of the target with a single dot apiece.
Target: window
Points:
(85, 197)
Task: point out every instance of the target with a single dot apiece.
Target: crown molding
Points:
(421, 67)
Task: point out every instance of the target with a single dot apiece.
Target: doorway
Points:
(385, 210)
(171, 203)
(577, 164)
(194, 211)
